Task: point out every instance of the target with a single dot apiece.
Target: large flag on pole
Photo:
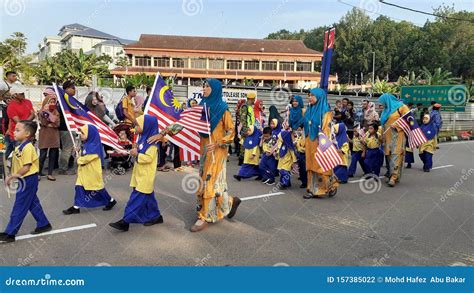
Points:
(326, 154)
(328, 49)
(165, 107)
(77, 115)
(408, 123)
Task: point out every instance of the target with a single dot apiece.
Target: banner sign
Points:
(229, 95)
(452, 98)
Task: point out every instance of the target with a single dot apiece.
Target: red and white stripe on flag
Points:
(191, 119)
(107, 135)
(328, 159)
(416, 137)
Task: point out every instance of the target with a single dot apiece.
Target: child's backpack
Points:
(119, 110)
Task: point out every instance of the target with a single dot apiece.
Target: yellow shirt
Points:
(27, 156)
(300, 144)
(267, 146)
(144, 170)
(356, 144)
(287, 161)
(394, 138)
(428, 146)
(344, 153)
(251, 156)
(372, 142)
(89, 172)
(128, 108)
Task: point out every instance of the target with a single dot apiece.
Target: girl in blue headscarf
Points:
(427, 149)
(393, 137)
(251, 145)
(142, 206)
(287, 158)
(296, 119)
(317, 117)
(214, 201)
(342, 144)
(90, 190)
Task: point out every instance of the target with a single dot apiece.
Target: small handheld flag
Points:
(408, 123)
(326, 154)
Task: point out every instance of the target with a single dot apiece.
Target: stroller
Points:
(121, 162)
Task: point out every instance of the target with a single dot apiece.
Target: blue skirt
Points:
(341, 173)
(91, 198)
(249, 171)
(141, 208)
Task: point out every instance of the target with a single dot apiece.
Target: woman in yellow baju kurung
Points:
(318, 115)
(213, 199)
(90, 191)
(393, 136)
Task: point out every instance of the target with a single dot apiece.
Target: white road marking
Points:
(261, 196)
(440, 167)
(56, 231)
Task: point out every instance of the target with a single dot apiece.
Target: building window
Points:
(317, 66)
(252, 65)
(198, 63)
(234, 64)
(180, 63)
(216, 64)
(269, 65)
(142, 61)
(303, 66)
(161, 62)
(287, 66)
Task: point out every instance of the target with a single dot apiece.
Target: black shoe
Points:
(426, 170)
(5, 238)
(71, 210)
(303, 185)
(120, 225)
(235, 205)
(270, 182)
(237, 177)
(158, 220)
(308, 196)
(332, 193)
(408, 166)
(351, 176)
(259, 178)
(241, 162)
(110, 205)
(42, 229)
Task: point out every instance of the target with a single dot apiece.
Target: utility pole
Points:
(373, 67)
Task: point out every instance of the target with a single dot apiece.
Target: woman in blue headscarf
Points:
(318, 116)
(342, 144)
(394, 137)
(142, 206)
(296, 119)
(90, 190)
(214, 201)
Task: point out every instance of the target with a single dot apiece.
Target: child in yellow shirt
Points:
(25, 168)
(90, 190)
(251, 145)
(287, 158)
(356, 154)
(342, 144)
(268, 163)
(373, 153)
(142, 206)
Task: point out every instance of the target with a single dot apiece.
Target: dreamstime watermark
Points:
(280, 96)
(450, 192)
(16, 185)
(203, 261)
(370, 184)
(191, 183)
(382, 261)
(22, 262)
(14, 7)
(281, 264)
(458, 95)
(372, 7)
(192, 7)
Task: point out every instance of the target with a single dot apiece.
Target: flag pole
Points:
(396, 121)
(209, 132)
(65, 119)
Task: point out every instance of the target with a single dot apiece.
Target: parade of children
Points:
(277, 154)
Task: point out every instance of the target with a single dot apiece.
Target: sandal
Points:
(51, 178)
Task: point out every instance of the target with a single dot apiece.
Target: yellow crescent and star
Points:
(66, 98)
(175, 102)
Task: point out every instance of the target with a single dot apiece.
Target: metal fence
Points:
(280, 98)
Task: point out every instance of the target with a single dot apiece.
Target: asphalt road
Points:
(425, 220)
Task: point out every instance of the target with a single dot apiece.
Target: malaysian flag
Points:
(166, 108)
(196, 118)
(408, 123)
(77, 115)
(326, 154)
(328, 49)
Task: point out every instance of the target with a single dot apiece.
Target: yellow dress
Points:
(144, 171)
(394, 143)
(285, 162)
(319, 183)
(251, 156)
(213, 199)
(89, 172)
(428, 146)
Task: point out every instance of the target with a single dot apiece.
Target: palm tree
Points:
(439, 77)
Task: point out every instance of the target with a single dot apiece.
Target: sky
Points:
(239, 19)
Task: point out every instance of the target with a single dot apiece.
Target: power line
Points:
(424, 12)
